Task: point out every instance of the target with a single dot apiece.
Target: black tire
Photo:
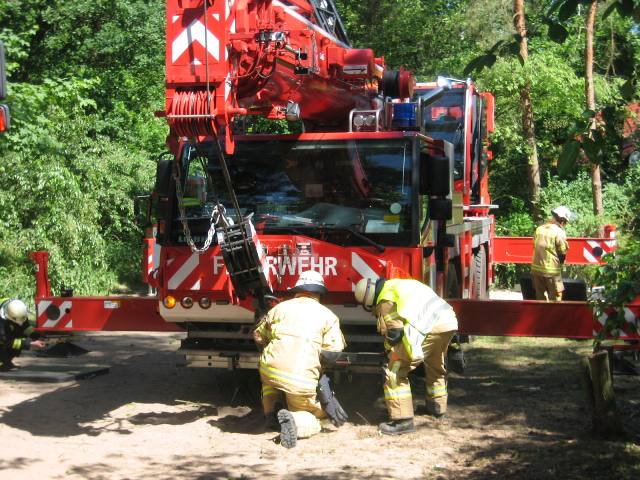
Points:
(480, 283)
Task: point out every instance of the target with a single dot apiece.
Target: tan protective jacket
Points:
(292, 334)
(417, 309)
(550, 241)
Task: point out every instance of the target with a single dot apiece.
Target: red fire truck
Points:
(379, 179)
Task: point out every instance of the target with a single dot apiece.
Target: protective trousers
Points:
(305, 409)
(8, 353)
(551, 285)
(397, 390)
(5, 359)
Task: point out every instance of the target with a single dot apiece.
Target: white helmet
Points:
(310, 281)
(16, 311)
(563, 213)
(365, 292)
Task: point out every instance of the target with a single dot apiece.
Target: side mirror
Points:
(142, 210)
(162, 188)
(163, 177)
(435, 175)
(440, 209)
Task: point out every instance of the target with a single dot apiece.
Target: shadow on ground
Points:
(149, 378)
(517, 412)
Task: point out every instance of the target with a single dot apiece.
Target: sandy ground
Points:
(518, 412)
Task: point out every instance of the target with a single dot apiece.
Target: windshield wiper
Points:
(289, 228)
(381, 248)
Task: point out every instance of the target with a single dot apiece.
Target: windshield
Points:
(444, 120)
(340, 191)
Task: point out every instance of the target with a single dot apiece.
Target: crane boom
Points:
(272, 58)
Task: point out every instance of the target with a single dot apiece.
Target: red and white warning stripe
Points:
(361, 267)
(607, 246)
(63, 321)
(628, 330)
(185, 276)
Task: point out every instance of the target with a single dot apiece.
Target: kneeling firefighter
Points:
(417, 326)
(297, 337)
(15, 332)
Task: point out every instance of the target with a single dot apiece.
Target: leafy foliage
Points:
(621, 276)
(82, 133)
(86, 76)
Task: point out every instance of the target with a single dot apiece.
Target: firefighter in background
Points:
(297, 337)
(549, 251)
(15, 332)
(417, 326)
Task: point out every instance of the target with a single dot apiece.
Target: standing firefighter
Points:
(15, 332)
(550, 249)
(417, 326)
(295, 337)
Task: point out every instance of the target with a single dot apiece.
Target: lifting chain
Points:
(217, 218)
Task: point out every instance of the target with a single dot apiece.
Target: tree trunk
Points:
(528, 129)
(598, 385)
(596, 183)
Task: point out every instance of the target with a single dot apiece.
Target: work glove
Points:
(330, 403)
(456, 360)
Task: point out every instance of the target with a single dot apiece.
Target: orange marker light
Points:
(169, 301)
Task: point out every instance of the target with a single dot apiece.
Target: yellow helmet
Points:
(365, 292)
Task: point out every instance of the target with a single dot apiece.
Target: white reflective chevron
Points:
(42, 306)
(63, 311)
(195, 32)
(588, 257)
(360, 266)
(183, 272)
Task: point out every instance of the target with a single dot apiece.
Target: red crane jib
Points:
(255, 57)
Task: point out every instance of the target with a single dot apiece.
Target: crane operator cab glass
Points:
(444, 120)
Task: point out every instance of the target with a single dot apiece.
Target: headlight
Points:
(370, 120)
(187, 302)
(358, 121)
(204, 302)
(169, 301)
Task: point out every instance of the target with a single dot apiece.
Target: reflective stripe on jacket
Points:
(421, 309)
(2, 303)
(292, 334)
(549, 241)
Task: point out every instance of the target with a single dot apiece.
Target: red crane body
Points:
(382, 181)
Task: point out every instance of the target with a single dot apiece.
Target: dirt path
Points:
(516, 413)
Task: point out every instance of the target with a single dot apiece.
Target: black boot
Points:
(288, 430)
(397, 427)
(434, 409)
